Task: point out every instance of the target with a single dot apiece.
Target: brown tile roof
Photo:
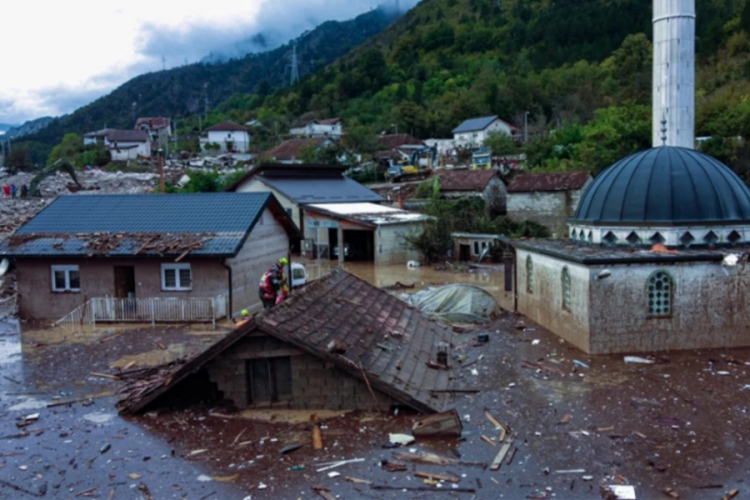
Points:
(385, 341)
(466, 180)
(394, 141)
(564, 181)
(153, 123)
(293, 148)
(128, 136)
(228, 126)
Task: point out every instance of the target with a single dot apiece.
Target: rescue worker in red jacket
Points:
(269, 287)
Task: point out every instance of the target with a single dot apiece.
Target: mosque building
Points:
(642, 269)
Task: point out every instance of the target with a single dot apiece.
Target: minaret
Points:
(674, 73)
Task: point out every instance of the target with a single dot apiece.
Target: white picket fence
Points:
(151, 310)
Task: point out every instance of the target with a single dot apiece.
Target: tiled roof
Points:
(476, 124)
(128, 136)
(564, 181)
(153, 123)
(466, 180)
(227, 126)
(294, 148)
(329, 121)
(362, 318)
(68, 224)
(305, 190)
(385, 342)
(393, 141)
(99, 133)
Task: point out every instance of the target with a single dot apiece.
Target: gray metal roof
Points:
(671, 185)
(65, 226)
(474, 124)
(304, 191)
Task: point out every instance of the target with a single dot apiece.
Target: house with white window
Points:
(473, 132)
(122, 257)
(159, 129)
(331, 127)
(126, 145)
(228, 136)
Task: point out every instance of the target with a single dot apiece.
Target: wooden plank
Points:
(437, 477)
(498, 461)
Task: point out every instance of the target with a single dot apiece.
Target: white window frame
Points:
(176, 268)
(66, 269)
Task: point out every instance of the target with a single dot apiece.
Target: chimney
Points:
(400, 201)
(674, 73)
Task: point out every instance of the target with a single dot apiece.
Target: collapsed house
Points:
(339, 343)
(133, 257)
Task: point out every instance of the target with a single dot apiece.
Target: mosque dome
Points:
(664, 187)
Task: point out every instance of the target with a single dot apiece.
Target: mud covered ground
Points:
(680, 423)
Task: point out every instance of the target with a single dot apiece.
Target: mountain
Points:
(184, 90)
(6, 126)
(27, 128)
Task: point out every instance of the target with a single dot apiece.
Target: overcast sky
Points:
(58, 55)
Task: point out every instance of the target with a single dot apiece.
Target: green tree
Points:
(500, 143)
(19, 159)
(70, 147)
(361, 139)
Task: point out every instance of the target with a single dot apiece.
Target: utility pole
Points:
(163, 63)
(295, 66)
(161, 171)
(398, 8)
(526, 127)
(205, 100)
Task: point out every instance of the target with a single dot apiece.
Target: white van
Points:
(299, 275)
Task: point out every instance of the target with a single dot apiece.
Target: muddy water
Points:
(489, 278)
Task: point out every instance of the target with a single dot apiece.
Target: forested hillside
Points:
(183, 91)
(582, 67)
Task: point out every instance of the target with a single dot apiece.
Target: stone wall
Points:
(709, 309)
(314, 384)
(544, 304)
(548, 208)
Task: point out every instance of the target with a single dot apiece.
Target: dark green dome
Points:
(665, 185)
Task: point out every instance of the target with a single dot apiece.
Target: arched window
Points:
(566, 289)
(660, 289)
(529, 275)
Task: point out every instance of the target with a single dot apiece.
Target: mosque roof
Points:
(665, 185)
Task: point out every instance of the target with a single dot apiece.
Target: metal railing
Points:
(150, 310)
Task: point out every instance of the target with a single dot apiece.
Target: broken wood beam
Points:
(498, 461)
(421, 488)
(437, 477)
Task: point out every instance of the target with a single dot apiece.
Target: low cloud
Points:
(277, 22)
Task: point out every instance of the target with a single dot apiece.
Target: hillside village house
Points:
(485, 184)
(174, 248)
(296, 186)
(229, 136)
(97, 136)
(473, 132)
(160, 129)
(332, 127)
(126, 145)
(293, 150)
(548, 199)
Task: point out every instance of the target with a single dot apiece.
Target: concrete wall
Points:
(474, 256)
(37, 300)
(256, 186)
(709, 309)
(314, 385)
(549, 208)
(544, 304)
(266, 244)
(240, 139)
(390, 246)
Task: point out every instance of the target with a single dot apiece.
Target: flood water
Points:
(488, 277)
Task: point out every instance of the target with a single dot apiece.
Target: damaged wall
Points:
(36, 300)
(390, 245)
(548, 208)
(709, 309)
(544, 304)
(313, 384)
(266, 244)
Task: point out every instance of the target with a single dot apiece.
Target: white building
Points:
(474, 131)
(128, 144)
(333, 128)
(230, 137)
(160, 129)
(96, 137)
